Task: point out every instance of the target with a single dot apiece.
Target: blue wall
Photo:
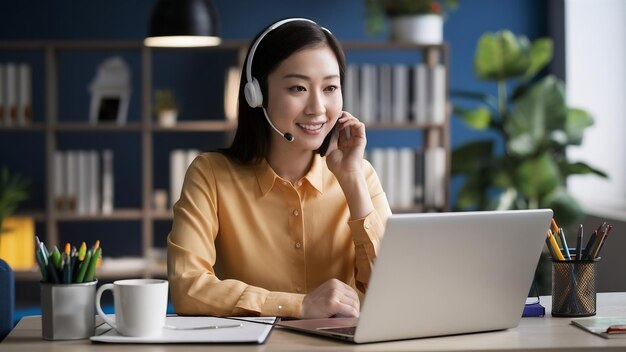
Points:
(191, 76)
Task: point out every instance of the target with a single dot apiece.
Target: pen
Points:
(599, 241)
(42, 262)
(604, 239)
(83, 268)
(579, 243)
(564, 242)
(91, 269)
(590, 243)
(53, 277)
(56, 257)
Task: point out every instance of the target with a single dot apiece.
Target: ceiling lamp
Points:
(183, 23)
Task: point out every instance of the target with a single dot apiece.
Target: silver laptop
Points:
(443, 274)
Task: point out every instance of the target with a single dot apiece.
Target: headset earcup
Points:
(253, 94)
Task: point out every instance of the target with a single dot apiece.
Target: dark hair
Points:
(251, 142)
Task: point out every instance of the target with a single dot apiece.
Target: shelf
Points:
(35, 214)
(134, 271)
(401, 126)
(87, 127)
(198, 126)
(385, 45)
(34, 127)
(163, 215)
(120, 214)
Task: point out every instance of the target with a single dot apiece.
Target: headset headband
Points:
(258, 41)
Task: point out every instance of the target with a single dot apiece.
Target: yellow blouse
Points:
(246, 242)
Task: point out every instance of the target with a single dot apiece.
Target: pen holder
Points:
(68, 310)
(574, 288)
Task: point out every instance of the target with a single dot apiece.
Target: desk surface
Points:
(532, 334)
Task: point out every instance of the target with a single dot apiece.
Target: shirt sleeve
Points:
(194, 287)
(368, 231)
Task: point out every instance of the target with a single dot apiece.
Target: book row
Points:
(15, 94)
(83, 181)
(411, 177)
(396, 94)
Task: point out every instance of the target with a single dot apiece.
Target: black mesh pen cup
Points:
(574, 288)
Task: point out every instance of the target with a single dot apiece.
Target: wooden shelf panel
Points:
(87, 127)
(401, 126)
(119, 214)
(198, 126)
(37, 215)
(385, 45)
(162, 215)
(156, 270)
(33, 127)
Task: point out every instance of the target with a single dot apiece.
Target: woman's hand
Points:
(347, 156)
(333, 297)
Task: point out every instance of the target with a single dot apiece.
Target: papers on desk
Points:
(252, 330)
(600, 326)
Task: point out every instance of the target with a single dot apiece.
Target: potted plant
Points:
(13, 190)
(535, 125)
(17, 233)
(165, 107)
(413, 21)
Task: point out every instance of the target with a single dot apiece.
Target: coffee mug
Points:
(140, 306)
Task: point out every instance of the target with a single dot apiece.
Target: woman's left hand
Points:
(347, 157)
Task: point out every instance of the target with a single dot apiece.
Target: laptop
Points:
(444, 274)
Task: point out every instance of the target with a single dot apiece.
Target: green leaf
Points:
(470, 194)
(488, 99)
(479, 119)
(576, 120)
(567, 210)
(501, 55)
(535, 117)
(541, 52)
(579, 168)
(537, 177)
(471, 157)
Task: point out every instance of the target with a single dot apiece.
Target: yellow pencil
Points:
(555, 247)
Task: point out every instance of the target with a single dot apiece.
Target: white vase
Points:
(419, 29)
(167, 118)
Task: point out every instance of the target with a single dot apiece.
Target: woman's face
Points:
(304, 96)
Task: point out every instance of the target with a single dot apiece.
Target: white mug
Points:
(140, 306)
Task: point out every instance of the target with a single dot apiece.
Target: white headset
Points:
(252, 89)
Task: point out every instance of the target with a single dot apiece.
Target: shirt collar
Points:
(267, 177)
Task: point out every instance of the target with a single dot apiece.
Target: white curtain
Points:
(595, 54)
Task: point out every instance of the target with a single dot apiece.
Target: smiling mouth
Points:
(311, 127)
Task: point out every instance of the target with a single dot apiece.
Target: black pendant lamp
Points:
(183, 23)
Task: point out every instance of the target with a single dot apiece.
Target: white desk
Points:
(532, 334)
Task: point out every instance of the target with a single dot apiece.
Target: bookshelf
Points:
(53, 128)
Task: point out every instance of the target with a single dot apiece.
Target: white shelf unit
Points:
(51, 127)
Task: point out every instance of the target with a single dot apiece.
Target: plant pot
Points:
(167, 118)
(419, 29)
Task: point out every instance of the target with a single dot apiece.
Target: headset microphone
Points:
(288, 136)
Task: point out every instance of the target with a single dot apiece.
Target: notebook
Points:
(443, 274)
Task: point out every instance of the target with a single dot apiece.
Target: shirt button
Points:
(298, 245)
(299, 183)
(296, 212)
(298, 289)
(367, 226)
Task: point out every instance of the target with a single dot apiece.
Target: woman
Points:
(269, 226)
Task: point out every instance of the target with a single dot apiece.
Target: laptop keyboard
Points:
(348, 330)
